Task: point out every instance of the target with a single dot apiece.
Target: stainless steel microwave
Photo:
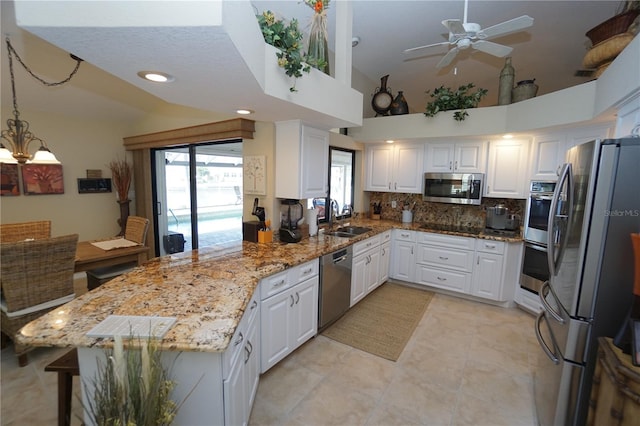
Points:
(456, 188)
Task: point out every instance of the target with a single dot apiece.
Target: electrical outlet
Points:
(393, 204)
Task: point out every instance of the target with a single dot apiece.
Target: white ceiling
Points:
(551, 51)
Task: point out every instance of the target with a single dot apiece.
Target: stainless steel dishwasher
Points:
(335, 286)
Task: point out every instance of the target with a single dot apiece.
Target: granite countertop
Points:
(207, 290)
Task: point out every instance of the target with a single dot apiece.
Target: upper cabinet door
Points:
(379, 159)
(302, 160)
(507, 172)
(459, 157)
(470, 157)
(547, 156)
(315, 162)
(439, 158)
(394, 168)
(407, 169)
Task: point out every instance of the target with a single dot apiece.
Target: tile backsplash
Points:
(442, 213)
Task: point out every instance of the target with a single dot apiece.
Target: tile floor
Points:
(467, 363)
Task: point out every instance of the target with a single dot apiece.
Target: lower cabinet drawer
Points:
(460, 260)
(448, 280)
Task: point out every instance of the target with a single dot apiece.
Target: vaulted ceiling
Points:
(551, 51)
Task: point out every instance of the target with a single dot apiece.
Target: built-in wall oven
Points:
(535, 268)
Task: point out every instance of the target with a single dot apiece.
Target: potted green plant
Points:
(288, 39)
(446, 99)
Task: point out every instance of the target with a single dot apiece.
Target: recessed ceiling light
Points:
(507, 136)
(389, 141)
(156, 76)
(244, 111)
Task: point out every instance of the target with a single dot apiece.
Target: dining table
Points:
(89, 256)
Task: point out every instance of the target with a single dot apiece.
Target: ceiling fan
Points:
(464, 35)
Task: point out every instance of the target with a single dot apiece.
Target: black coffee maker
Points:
(290, 214)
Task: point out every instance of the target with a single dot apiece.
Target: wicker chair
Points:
(37, 277)
(136, 231)
(12, 232)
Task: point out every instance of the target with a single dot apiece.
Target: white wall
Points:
(79, 145)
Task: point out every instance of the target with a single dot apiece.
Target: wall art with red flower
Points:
(42, 179)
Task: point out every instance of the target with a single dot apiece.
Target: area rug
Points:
(383, 321)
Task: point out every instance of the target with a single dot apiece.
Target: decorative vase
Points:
(525, 89)
(382, 98)
(124, 214)
(318, 52)
(507, 75)
(399, 105)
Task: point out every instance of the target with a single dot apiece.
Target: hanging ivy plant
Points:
(445, 99)
(288, 39)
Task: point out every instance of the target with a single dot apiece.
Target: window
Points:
(341, 177)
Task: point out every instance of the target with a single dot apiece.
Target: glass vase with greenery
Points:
(288, 39)
(446, 99)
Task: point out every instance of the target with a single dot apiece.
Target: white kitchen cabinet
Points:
(302, 160)
(394, 168)
(496, 270)
(385, 262)
(403, 246)
(578, 135)
(508, 171)
(288, 312)
(487, 276)
(444, 261)
(549, 149)
(242, 360)
(459, 157)
(547, 156)
(364, 274)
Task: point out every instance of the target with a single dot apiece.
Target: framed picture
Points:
(10, 181)
(255, 175)
(42, 179)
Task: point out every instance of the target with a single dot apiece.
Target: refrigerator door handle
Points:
(554, 250)
(541, 341)
(544, 290)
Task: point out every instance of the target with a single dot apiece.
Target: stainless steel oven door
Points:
(535, 267)
(536, 218)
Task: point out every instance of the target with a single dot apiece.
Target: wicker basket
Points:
(612, 26)
(607, 51)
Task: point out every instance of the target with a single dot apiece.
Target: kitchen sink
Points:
(341, 234)
(349, 231)
(355, 230)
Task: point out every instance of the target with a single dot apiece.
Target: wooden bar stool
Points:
(67, 367)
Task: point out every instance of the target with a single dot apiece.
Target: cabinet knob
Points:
(441, 279)
(450, 165)
(292, 301)
(443, 258)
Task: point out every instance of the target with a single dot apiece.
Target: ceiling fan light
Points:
(44, 156)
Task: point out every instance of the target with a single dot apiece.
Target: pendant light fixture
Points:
(18, 135)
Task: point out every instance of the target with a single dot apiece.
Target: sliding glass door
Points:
(198, 191)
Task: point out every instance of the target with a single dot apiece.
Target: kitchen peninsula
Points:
(208, 291)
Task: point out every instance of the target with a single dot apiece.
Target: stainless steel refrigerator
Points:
(596, 206)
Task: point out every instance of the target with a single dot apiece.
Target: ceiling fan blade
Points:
(454, 26)
(506, 27)
(446, 60)
(426, 46)
(492, 48)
